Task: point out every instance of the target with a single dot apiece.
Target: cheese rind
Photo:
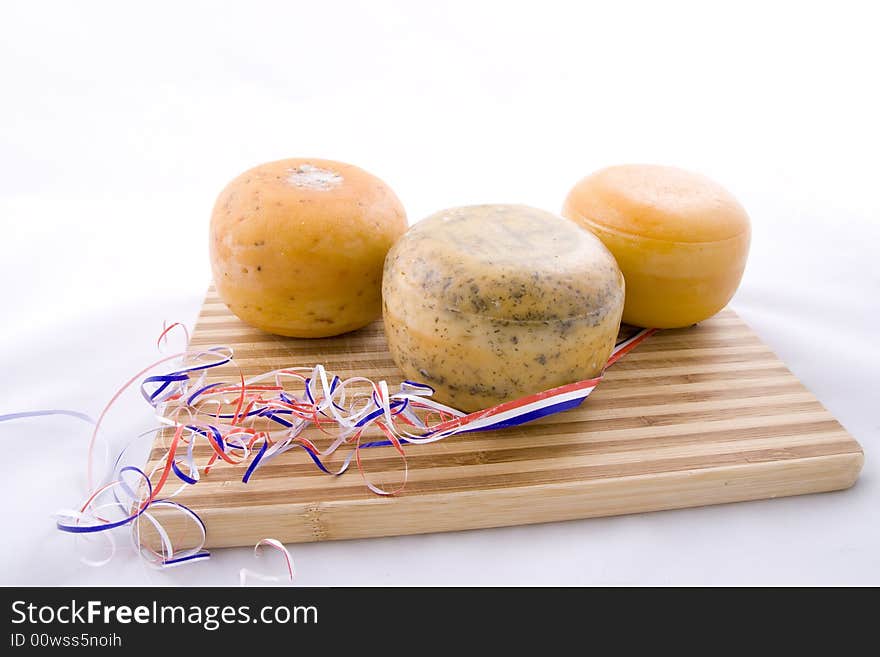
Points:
(680, 239)
(297, 246)
(494, 302)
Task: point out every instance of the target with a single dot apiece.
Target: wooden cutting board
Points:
(696, 416)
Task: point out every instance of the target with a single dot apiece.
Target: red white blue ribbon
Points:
(251, 422)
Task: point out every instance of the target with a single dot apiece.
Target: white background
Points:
(120, 122)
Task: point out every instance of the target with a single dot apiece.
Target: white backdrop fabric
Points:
(121, 122)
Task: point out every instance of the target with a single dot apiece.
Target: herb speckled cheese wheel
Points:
(490, 303)
(297, 246)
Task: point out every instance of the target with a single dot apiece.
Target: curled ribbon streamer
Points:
(244, 573)
(254, 420)
(53, 411)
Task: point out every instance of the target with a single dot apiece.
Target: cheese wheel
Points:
(490, 303)
(680, 239)
(297, 246)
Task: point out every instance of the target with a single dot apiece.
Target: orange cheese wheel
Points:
(297, 246)
(680, 239)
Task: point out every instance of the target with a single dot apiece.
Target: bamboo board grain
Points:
(696, 416)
